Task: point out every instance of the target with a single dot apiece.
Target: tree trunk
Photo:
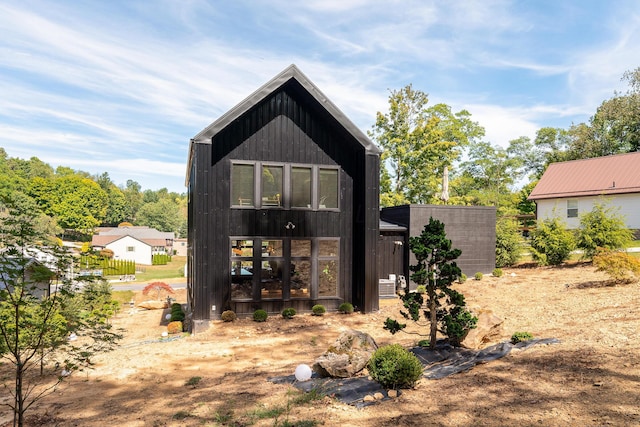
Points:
(432, 315)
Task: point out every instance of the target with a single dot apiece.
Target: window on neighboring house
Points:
(242, 184)
(287, 185)
(572, 208)
(131, 248)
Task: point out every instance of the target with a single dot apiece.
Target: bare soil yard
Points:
(591, 378)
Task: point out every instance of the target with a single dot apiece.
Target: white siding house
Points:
(569, 189)
(131, 249)
(137, 244)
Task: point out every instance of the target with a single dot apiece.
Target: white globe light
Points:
(303, 372)
(168, 316)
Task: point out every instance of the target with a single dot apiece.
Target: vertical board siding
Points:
(284, 128)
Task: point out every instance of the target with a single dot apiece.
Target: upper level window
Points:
(272, 186)
(242, 177)
(572, 208)
(328, 189)
(300, 187)
(284, 186)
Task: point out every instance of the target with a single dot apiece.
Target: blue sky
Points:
(121, 86)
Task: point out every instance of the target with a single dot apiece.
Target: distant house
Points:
(180, 247)
(283, 206)
(568, 189)
(137, 244)
(39, 270)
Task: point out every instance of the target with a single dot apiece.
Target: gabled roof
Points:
(139, 232)
(290, 73)
(616, 174)
(104, 240)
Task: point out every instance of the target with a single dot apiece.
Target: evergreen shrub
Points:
(288, 313)
(228, 316)
(345, 308)
(395, 367)
(260, 315)
(318, 310)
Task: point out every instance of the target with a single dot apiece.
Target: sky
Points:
(121, 86)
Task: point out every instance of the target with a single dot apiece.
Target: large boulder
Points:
(348, 355)
(488, 329)
(153, 305)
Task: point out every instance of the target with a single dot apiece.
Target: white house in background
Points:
(137, 244)
(569, 189)
(180, 247)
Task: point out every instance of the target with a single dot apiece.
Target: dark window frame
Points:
(287, 190)
(572, 211)
(257, 259)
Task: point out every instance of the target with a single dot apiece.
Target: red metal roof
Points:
(616, 174)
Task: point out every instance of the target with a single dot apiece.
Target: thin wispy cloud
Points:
(122, 86)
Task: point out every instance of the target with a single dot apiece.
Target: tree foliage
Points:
(436, 270)
(33, 324)
(418, 141)
(509, 242)
(551, 241)
(603, 227)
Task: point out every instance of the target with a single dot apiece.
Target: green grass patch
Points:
(172, 270)
(123, 297)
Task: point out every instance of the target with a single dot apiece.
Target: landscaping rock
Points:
(347, 356)
(489, 329)
(153, 305)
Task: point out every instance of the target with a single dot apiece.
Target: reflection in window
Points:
(300, 248)
(328, 189)
(328, 248)
(242, 184)
(272, 265)
(300, 187)
(241, 279)
(328, 280)
(300, 278)
(242, 248)
(272, 186)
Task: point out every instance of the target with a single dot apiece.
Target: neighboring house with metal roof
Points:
(569, 189)
(137, 243)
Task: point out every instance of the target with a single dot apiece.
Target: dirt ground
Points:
(591, 378)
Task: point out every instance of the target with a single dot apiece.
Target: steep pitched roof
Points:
(616, 174)
(290, 73)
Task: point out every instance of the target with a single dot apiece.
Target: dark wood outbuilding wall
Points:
(472, 229)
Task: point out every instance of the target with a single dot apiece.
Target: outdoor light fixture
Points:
(290, 226)
(303, 372)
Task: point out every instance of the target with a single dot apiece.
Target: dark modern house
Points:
(283, 206)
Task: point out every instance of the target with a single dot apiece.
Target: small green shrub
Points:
(520, 336)
(228, 316)
(457, 325)
(260, 315)
(421, 289)
(345, 308)
(462, 278)
(193, 381)
(478, 276)
(318, 310)
(497, 272)
(177, 314)
(288, 313)
(424, 343)
(395, 367)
